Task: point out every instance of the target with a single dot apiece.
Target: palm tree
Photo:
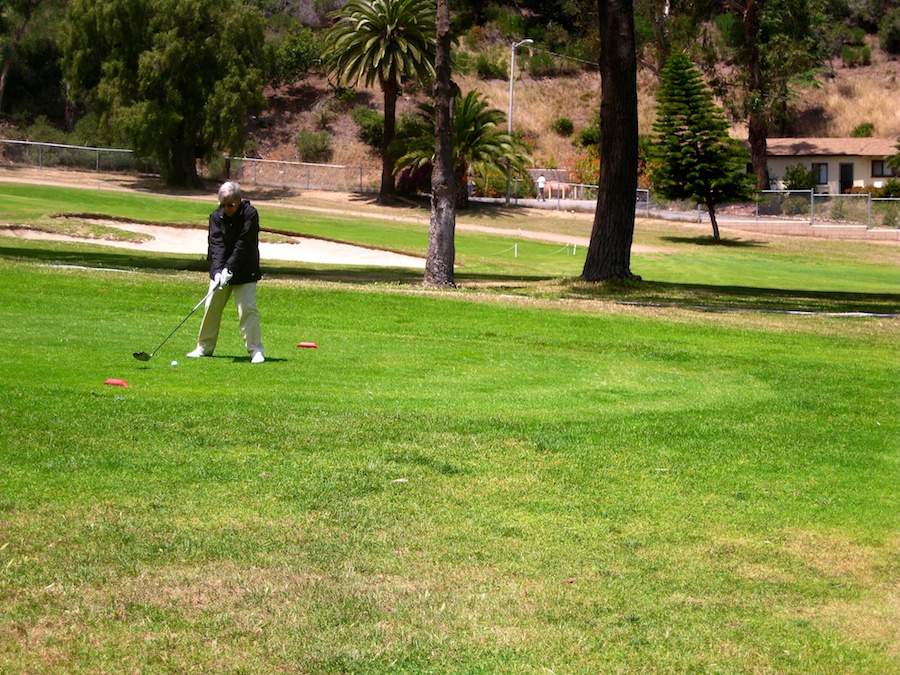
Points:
(387, 41)
(442, 229)
(479, 141)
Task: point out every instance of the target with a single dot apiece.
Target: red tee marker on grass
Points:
(308, 345)
(116, 383)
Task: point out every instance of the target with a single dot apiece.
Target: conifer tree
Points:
(693, 156)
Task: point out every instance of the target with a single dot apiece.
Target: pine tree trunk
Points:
(609, 251)
(711, 209)
(441, 255)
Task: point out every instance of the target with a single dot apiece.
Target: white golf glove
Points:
(222, 278)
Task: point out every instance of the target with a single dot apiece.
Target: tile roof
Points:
(817, 147)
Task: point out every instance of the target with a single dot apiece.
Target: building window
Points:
(880, 169)
(820, 173)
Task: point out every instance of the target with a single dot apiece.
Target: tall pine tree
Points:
(693, 156)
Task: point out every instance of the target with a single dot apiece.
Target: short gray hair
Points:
(229, 190)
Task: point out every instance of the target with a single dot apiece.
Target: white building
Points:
(838, 164)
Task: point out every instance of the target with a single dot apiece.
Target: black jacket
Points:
(234, 243)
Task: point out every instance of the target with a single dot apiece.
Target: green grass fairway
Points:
(526, 476)
(446, 485)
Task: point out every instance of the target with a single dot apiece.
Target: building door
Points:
(846, 181)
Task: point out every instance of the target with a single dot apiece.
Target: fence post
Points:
(812, 206)
(869, 224)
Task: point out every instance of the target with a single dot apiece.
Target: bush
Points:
(313, 146)
(543, 64)
(856, 56)
(488, 69)
(295, 56)
(371, 126)
(795, 205)
(563, 126)
(891, 189)
(344, 96)
(509, 22)
(798, 177)
(889, 32)
(415, 180)
(864, 130)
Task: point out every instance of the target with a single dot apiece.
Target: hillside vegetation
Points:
(557, 89)
(839, 103)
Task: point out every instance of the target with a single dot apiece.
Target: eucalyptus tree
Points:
(693, 157)
(479, 141)
(14, 18)
(386, 42)
(178, 78)
(762, 51)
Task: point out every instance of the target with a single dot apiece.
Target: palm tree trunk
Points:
(391, 91)
(442, 231)
(609, 251)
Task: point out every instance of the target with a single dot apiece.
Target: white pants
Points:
(248, 317)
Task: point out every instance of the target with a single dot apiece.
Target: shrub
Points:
(344, 96)
(509, 22)
(371, 126)
(415, 180)
(856, 56)
(488, 69)
(313, 146)
(798, 177)
(590, 137)
(856, 37)
(563, 126)
(795, 205)
(889, 32)
(891, 189)
(295, 56)
(864, 130)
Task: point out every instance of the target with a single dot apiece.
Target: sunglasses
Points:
(229, 205)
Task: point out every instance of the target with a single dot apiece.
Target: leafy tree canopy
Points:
(177, 77)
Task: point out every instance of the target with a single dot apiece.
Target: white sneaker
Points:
(257, 358)
(196, 354)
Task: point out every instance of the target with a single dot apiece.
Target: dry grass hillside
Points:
(842, 101)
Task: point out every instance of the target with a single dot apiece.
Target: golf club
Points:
(144, 356)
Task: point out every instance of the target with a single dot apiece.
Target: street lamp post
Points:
(512, 78)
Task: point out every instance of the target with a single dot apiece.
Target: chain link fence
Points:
(81, 158)
(860, 210)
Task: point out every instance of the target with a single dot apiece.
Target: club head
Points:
(141, 356)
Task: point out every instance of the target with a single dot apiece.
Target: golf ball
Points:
(174, 363)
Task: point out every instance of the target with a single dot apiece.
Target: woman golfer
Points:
(233, 270)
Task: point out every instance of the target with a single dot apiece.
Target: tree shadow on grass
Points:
(709, 297)
(693, 296)
(710, 241)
